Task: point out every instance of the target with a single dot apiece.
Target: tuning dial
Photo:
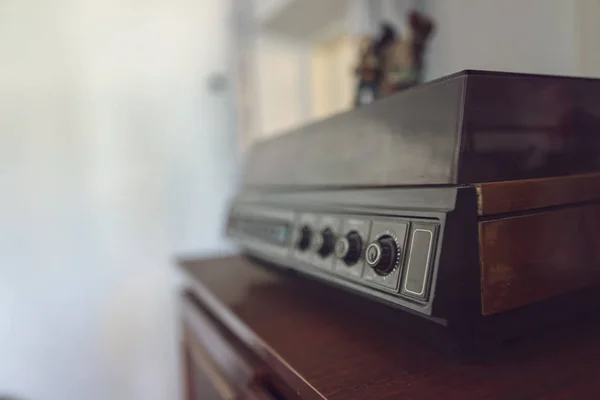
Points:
(326, 243)
(304, 238)
(382, 255)
(349, 248)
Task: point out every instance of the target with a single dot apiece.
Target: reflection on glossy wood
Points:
(520, 126)
(533, 257)
(326, 343)
(527, 194)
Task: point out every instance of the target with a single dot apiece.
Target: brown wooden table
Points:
(256, 333)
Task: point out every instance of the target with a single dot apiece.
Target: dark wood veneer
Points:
(534, 257)
(326, 343)
(527, 194)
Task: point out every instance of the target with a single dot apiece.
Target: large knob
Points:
(326, 243)
(304, 238)
(382, 254)
(349, 248)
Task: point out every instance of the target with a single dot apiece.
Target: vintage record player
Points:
(472, 201)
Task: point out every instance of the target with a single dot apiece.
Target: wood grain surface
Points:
(326, 343)
(520, 195)
(533, 257)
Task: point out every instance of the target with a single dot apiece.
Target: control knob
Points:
(304, 238)
(325, 243)
(349, 248)
(382, 255)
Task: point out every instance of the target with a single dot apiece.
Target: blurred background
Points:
(123, 126)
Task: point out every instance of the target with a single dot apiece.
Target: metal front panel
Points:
(371, 223)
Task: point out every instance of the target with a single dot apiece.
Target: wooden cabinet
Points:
(250, 332)
(215, 366)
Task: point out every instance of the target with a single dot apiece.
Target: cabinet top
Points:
(325, 342)
(467, 128)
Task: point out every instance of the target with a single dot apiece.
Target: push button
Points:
(421, 251)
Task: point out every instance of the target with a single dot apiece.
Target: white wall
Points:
(537, 36)
(333, 81)
(282, 77)
(266, 9)
(113, 157)
(588, 32)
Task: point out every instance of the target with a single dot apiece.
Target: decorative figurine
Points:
(392, 63)
(370, 69)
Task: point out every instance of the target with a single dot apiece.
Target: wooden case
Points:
(537, 239)
(507, 168)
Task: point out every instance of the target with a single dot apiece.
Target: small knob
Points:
(327, 242)
(382, 255)
(349, 248)
(304, 238)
